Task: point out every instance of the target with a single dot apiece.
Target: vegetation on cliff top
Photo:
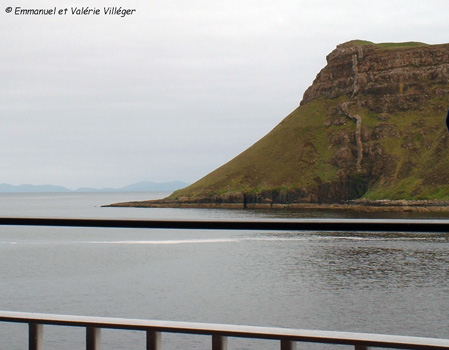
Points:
(388, 46)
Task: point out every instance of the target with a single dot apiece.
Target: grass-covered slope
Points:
(292, 155)
(405, 156)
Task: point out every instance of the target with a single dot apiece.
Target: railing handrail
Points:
(366, 225)
(225, 330)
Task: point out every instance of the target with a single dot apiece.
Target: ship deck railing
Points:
(219, 333)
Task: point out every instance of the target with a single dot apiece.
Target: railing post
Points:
(93, 338)
(288, 345)
(35, 336)
(219, 342)
(154, 340)
(360, 347)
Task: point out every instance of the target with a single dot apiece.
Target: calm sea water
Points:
(377, 283)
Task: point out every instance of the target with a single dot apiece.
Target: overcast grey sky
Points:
(174, 90)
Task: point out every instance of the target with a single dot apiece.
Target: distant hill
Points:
(370, 127)
(7, 188)
(144, 186)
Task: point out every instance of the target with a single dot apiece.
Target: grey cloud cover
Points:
(175, 90)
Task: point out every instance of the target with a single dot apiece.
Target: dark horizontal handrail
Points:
(376, 225)
(224, 330)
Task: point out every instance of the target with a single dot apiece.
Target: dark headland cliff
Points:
(370, 131)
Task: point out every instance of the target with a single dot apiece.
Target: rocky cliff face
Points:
(370, 126)
(402, 84)
(381, 77)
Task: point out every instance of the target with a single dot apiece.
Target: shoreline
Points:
(356, 205)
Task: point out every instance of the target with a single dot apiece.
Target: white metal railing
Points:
(219, 332)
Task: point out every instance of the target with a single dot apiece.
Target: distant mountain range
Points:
(144, 186)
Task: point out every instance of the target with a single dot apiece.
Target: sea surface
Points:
(393, 283)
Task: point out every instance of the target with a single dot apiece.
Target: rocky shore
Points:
(360, 205)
